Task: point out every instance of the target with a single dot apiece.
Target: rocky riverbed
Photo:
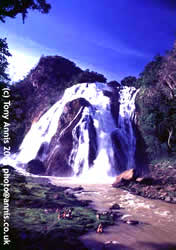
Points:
(160, 185)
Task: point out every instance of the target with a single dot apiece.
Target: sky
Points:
(114, 37)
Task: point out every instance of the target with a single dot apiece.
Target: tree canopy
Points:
(10, 8)
(129, 81)
(4, 53)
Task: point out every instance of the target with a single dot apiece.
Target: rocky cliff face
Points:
(57, 161)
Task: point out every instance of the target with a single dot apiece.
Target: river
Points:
(157, 219)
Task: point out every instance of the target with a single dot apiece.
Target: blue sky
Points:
(113, 37)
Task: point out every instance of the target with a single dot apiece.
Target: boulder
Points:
(35, 167)
(124, 177)
(115, 207)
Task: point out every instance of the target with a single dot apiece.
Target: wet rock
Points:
(115, 207)
(78, 188)
(174, 199)
(114, 96)
(69, 192)
(167, 199)
(93, 146)
(62, 142)
(120, 156)
(35, 167)
(42, 151)
(145, 180)
(124, 177)
(131, 222)
(114, 84)
(107, 93)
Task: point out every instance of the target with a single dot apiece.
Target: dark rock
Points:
(115, 206)
(107, 93)
(35, 167)
(115, 105)
(114, 97)
(62, 142)
(120, 156)
(78, 188)
(93, 146)
(59, 161)
(145, 180)
(114, 84)
(42, 151)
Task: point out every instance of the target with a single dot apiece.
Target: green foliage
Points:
(149, 76)
(11, 8)
(166, 123)
(129, 81)
(56, 68)
(156, 106)
(89, 76)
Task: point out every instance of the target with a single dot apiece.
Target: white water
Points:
(43, 131)
(125, 129)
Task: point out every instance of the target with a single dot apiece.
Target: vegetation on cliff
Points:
(156, 106)
(4, 54)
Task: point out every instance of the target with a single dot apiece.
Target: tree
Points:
(90, 76)
(150, 74)
(129, 81)
(10, 8)
(4, 53)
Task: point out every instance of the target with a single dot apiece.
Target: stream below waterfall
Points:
(156, 230)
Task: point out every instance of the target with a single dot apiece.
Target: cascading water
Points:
(96, 129)
(124, 137)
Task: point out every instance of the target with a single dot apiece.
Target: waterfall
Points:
(101, 146)
(123, 136)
